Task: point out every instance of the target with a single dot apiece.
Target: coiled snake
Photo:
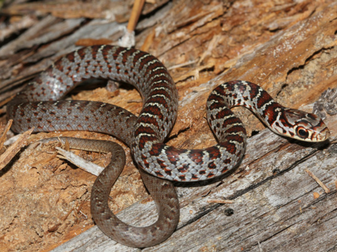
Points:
(38, 106)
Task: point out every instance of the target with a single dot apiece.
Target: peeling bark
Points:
(288, 48)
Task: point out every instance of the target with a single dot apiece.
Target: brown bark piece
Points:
(9, 154)
(287, 47)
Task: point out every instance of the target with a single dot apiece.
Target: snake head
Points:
(301, 125)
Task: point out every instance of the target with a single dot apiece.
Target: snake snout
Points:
(322, 135)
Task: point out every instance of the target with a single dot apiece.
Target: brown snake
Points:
(35, 107)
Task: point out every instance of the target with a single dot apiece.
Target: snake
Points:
(40, 105)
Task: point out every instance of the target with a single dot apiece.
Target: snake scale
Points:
(39, 106)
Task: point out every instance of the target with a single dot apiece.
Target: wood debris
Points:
(321, 184)
(288, 47)
(21, 141)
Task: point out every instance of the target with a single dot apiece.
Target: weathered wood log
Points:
(289, 49)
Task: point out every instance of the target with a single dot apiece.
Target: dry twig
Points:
(326, 189)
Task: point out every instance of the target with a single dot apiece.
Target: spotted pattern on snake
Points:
(38, 106)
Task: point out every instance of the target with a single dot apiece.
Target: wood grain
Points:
(287, 47)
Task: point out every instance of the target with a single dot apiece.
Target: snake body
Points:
(38, 106)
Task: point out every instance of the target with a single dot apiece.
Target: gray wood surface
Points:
(287, 47)
(274, 205)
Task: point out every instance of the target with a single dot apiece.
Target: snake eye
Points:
(302, 133)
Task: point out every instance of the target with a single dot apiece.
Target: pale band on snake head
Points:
(38, 106)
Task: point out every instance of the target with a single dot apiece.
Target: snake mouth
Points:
(322, 135)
